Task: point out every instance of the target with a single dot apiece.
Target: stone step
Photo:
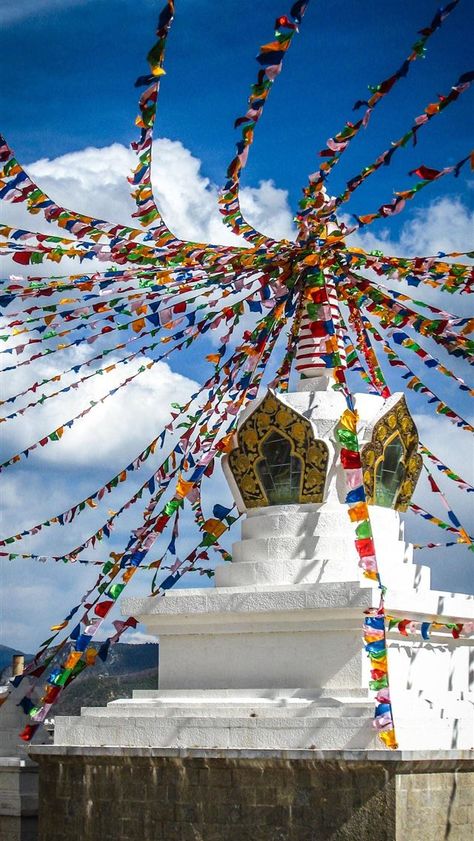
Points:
(296, 521)
(323, 733)
(330, 546)
(287, 571)
(133, 707)
(256, 694)
(291, 571)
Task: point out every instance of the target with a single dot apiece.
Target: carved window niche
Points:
(391, 463)
(278, 461)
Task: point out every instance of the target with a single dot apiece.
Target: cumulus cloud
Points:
(93, 181)
(119, 428)
(446, 224)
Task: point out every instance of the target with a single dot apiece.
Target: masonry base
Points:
(116, 794)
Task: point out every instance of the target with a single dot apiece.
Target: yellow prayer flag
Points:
(183, 487)
(58, 627)
(349, 420)
(214, 527)
(464, 537)
(388, 738)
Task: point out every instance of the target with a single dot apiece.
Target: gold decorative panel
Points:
(394, 430)
(273, 423)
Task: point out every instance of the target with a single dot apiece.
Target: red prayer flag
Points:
(29, 731)
(425, 173)
(349, 459)
(103, 608)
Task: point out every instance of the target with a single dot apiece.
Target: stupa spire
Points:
(320, 340)
(320, 346)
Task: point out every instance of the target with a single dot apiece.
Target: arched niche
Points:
(391, 463)
(278, 461)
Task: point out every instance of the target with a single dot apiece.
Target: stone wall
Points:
(143, 795)
(18, 800)
(18, 828)
(435, 806)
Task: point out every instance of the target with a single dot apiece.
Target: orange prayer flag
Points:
(312, 260)
(91, 656)
(138, 325)
(359, 512)
(214, 527)
(183, 487)
(73, 658)
(226, 443)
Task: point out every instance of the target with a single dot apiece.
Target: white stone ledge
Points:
(439, 759)
(13, 762)
(296, 603)
(430, 605)
(252, 600)
(332, 596)
(257, 694)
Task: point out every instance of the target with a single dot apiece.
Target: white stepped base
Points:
(308, 520)
(295, 719)
(266, 719)
(282, 572)
(281, 547)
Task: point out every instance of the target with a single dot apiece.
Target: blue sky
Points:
(68, 70)
(69, 67)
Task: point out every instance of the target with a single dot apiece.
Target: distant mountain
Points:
(128, 667)
(125, 658)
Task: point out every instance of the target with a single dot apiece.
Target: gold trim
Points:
(397, 422)
(274, 416)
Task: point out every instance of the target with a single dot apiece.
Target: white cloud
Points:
(93, 181)
(444, 225)
(114, 431)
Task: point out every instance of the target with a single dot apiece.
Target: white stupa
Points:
(272, 656)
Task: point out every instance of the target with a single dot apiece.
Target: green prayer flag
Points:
(364, 530)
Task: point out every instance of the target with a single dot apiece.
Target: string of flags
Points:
(165, 295)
